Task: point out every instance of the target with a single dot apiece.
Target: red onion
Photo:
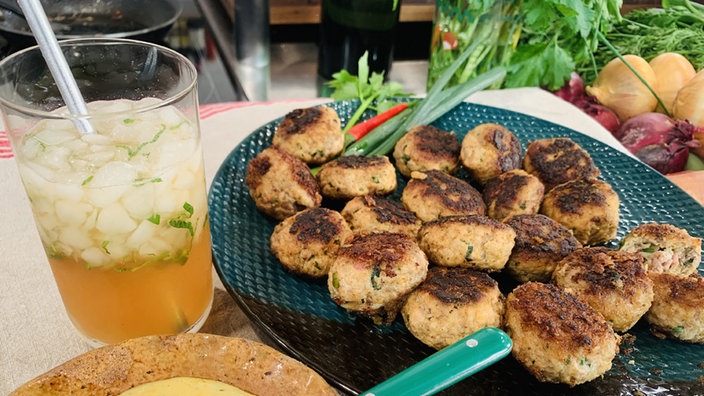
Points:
(575, 93)
(603, 115)
(658, 140)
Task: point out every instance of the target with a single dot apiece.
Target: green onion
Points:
(441, 103)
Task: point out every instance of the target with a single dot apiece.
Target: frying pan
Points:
(135, 19)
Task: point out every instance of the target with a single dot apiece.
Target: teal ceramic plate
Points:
(353, 354)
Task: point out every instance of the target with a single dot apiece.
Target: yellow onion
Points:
(619, 89)
(673, 71)
(689, 103)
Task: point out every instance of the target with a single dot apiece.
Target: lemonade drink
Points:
(122, 214)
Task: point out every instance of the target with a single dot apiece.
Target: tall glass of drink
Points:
(121, 210)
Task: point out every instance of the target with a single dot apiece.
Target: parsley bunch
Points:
(556, 35)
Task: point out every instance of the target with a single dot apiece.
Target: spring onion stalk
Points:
(377, 135)
(436, 103)
(443, 103)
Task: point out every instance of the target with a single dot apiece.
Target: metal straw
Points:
(49, 47)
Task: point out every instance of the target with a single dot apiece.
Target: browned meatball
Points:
(426, 147)
(587, 207)
(307, 242)
(558, 160)
(281, 184)
(489, 150)
(374, 214)
(612, 282)
(354, 176)
(557, 337)
(435, 194)
(512, 193)
(453, 303)
(678, 307)
(374, 273)
(313, 134)
(541, 243)
(472, 241)
(665, 247)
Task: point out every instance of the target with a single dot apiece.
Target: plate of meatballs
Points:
(361, 266)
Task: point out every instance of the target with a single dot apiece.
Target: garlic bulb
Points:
(618, 88)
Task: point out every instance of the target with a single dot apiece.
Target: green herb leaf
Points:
(376, 273)
(178, 223)
(555, 36)
(468, 253)
(188, 208)
(155, 218)
(368, 88)
(104, 246)
(87, 180)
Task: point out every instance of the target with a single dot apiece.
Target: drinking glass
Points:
(121, 210)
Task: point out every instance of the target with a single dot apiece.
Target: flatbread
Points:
(113, 369)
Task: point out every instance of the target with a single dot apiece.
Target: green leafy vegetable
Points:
(556, 35)
(676, 27)
(371, 90)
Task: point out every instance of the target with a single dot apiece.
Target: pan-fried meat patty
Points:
(452, 303)
(678, 307)
(313, 134)
(473, 241)
(512, 193)
(352, 176)
(375, 214)
(435, 194)
(280, 184)
(426, 147)
(307, 242)
(557, 337)
(373, 274)
(489, 150)
(665, 247)
(587, 207)
(541, 243)
(613, 282)
(558, 160)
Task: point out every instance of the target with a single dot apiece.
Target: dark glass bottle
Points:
(351, 27)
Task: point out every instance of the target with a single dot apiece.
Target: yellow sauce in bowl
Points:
(185, 386)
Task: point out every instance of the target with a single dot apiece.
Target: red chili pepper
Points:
(359, 130)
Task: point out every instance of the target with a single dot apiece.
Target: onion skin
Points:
(689, 104)
(619, 89)
(603, 115)
(673, 71)
(658, 140)
(575, 93)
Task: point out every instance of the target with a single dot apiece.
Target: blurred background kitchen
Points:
(204, 31)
